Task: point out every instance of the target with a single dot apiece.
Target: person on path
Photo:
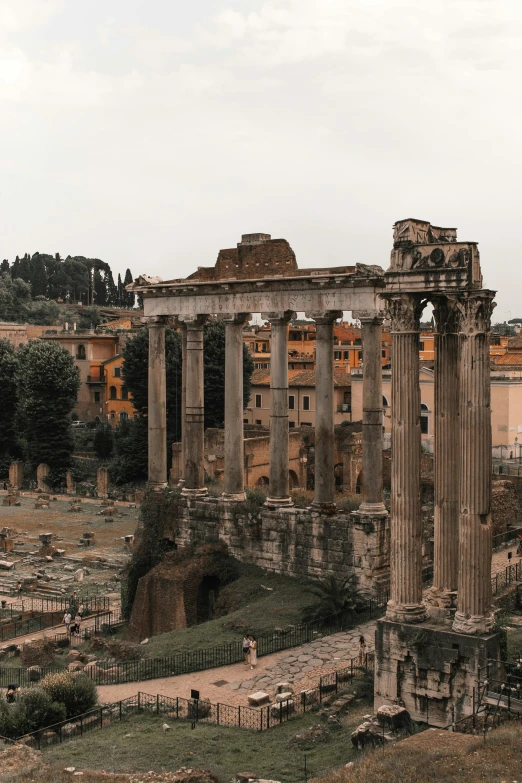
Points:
(253, 652)
(78, 623)
(363, 650)
(67, 620)
(246, 649)
(13, 691)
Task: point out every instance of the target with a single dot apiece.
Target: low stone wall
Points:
(297, 542)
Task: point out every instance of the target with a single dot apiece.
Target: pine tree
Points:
(111, 290)
(38, 276)
(8, 437)
(129, 295)
(119, 298)
(100, 289)
(4, 266)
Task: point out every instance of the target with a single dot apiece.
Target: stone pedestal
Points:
(194, 430)
(371, 550)
(278, 490)
(234, 447)
(102, 482)
(16, 474)
(42, 472)
(324, 486)
(429, 671)
(69, 483)
(157, 404)
(405, 603)
(474, 581)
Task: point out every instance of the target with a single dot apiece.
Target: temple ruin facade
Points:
(429, 646)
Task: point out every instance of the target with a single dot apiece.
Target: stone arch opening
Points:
(208, 592)
(80, 352)
(339, 476)
(293, 480)
(262, 481)
(358, 484)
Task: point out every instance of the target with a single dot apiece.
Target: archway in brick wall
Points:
(339, 476)
(358, 484)
(207, 596)
(262, 481)
(293, 480)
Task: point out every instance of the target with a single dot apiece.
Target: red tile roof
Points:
(508, 360)
(299, 378)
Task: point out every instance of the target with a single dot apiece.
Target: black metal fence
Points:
(511, 573)
(42, 620)
(211, 657)
(201, 711)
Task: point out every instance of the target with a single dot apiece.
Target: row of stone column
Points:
(462, 546)
(193, 410)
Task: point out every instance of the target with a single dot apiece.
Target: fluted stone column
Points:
(372, 502)
(324, 487)
(405, 604)
(234, 443)
(474, 581)
(194, 473)
(278, 489)
(443, 593)
(183, 332)
(157, 404)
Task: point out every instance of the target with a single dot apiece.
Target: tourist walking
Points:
(67, 620)
(252, 655)
(246, 649)
(78, 623)
(363, 650)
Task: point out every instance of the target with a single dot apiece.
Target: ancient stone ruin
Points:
(427, 652)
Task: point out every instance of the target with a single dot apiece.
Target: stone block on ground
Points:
(393, 715)
(258, 699)
(284, 687)
(285, 696)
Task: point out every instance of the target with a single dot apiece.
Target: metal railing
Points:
(200, 710)
(211, 657)
(509, 575)
(50, 617)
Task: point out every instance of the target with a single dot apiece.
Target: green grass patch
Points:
(139, 744)
(514, 644)
(250, 609)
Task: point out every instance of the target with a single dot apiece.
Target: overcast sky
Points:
(153, 133)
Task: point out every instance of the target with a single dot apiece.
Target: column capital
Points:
(474, 312)
(197, 322)
(366, 317)
(283, 317)
(155, 320)
(326, 317)
(404, 312)
(446, 314)
(236, 318)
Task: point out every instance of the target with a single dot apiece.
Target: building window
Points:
(385, 403)
(292, 366)
(421, 346)
(383, 354)
(112, 393)
(360, 353)
(337, 355)
(291, 402)
(245, 421)
(291, 424)
(117, 372)
(306, 403)
(96, 396)
(306, 424)
(259, 401)
(424, 422)
(258, 421)
(347, 354)
(124, 393)
(80, 352)
(112, 415)
(124, 416)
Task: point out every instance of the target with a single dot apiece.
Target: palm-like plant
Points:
(334, 598)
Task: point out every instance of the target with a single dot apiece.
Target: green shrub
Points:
(34, 710)
(77, 693)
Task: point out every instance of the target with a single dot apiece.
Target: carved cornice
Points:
(279, 318)
(404, 312)
(155, 320)
(474, 313)
(195, 323)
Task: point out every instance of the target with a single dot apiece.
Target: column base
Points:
(234, 497)
(157, 486)
(279, 502)
(181, 483)
(441, 598)
(406, 613)
(471, 624)
(373, 509)
(324, 508)
(193, 494)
